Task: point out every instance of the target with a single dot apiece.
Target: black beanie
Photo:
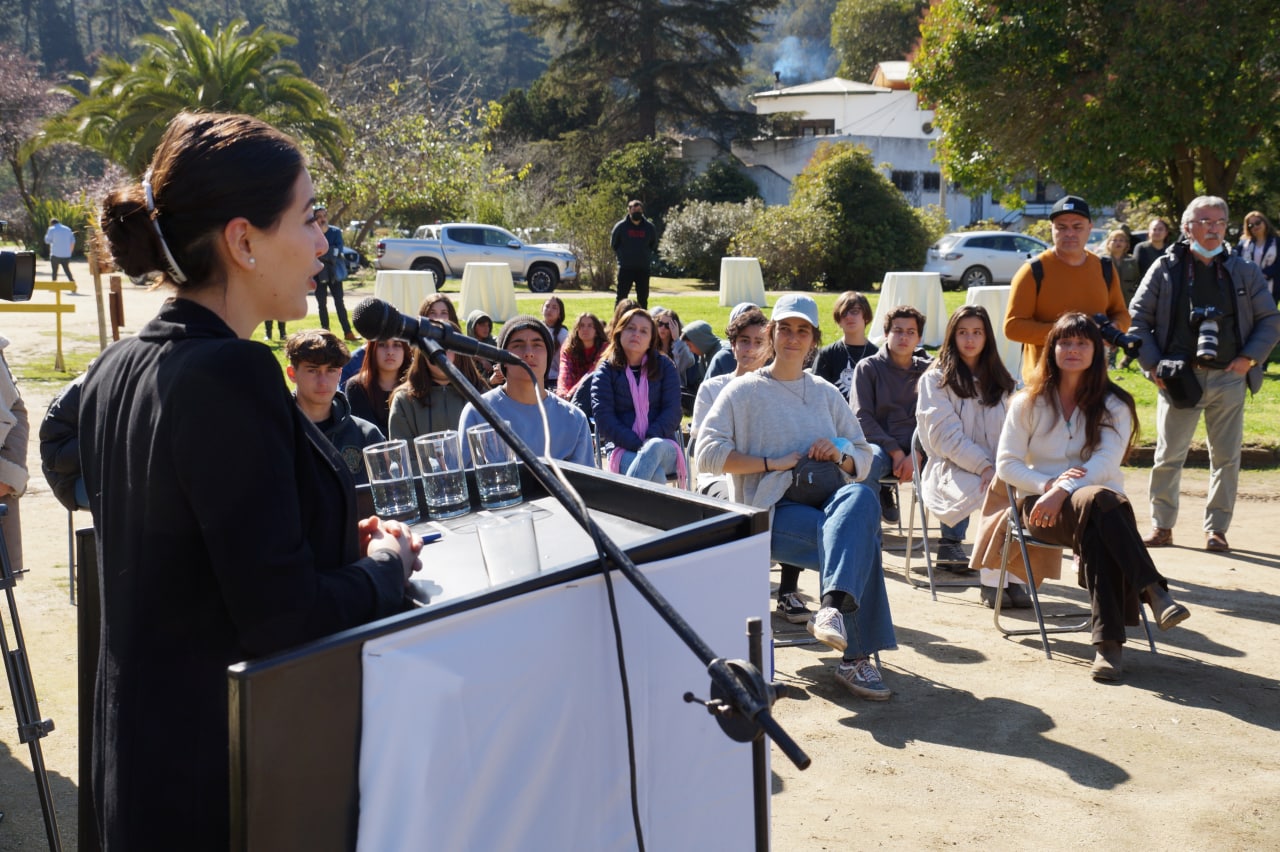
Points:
(521, 323)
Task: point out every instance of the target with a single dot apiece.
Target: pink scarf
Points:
(640, 400)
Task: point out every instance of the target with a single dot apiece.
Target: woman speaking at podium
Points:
(225, 522)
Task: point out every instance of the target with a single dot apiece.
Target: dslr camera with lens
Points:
(1112, 334)
(1204, 321)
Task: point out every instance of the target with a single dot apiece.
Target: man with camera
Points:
(1063, 279)
(1207, 323)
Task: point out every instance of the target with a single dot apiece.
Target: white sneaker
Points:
(827, 626)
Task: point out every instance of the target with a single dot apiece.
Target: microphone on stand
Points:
(377, 320)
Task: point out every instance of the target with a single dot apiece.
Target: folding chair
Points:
(1014, 530)
(917, 499)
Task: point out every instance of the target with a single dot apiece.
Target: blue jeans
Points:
(655, 461)
(957, 532)
(881, 466)
(842, 542)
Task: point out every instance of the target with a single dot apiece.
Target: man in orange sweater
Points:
(1071, 281)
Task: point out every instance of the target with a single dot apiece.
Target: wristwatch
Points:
(843, 456)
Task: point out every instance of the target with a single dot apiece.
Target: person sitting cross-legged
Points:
(765, 424)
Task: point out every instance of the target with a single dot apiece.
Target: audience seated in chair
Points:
(635, 402)
(884, 400)
(959, 414)
(1064, 439)
(517, 401)
(766, 423)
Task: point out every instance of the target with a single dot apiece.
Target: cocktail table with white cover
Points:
(489, 287)
(741, 281)
(920, 290)
(996, 301)
(404, 289)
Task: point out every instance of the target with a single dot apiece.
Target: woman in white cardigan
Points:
(959, 414)
(1063, 442)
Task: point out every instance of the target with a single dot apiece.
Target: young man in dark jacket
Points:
(316, 358)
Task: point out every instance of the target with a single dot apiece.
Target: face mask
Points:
(636, 215)
(1204, 252)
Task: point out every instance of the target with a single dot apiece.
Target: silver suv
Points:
(967, 259)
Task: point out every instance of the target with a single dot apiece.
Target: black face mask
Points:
(637, 215)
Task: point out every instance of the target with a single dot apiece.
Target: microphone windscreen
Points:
(371, 318)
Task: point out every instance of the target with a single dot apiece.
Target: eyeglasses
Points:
(1210, 223)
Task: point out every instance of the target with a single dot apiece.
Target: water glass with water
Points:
(444, 478)
(497, 475)
(395, 496)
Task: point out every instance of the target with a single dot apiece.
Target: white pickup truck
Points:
(445, 250)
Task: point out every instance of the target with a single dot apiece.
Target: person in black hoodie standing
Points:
(634, 240)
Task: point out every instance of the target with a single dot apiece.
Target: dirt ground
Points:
(985, 745)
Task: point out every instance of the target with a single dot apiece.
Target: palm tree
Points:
(127, 106)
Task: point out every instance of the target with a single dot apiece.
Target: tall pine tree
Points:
(670, 59)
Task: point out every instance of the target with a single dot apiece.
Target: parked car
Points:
(967, 259)
(445, 250)
(1097, 236)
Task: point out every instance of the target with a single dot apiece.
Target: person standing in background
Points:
(634, 240)
(61, 241)
(1258, 244)
(1156, 243)
(14, 432)
(330, 279)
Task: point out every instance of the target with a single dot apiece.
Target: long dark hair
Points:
(990, 382)
(576, 351)
(616, 357)
(1091, 396)
(367, 375)
(419, 381)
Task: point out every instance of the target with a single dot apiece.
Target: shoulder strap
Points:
(1037, 270)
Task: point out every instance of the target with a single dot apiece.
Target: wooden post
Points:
(117, 306)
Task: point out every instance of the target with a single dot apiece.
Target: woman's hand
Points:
(390, 537)
(823, 449)
(1047, 509)
(987, 474)
(1069, 473)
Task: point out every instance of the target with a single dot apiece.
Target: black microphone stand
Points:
(740, 696)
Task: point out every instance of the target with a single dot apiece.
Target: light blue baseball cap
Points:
(796, 305)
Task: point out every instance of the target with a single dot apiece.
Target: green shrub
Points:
(722, 182)
(74, 214)
(698, 234)
(789, 243)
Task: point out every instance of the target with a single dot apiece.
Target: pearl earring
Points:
(252, 261)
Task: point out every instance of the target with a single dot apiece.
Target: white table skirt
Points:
(404, 289)
(488, 287)
(741, 281)
(920, 290)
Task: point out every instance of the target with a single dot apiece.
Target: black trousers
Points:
(334, 286)
(1115, 567)
(633, 275)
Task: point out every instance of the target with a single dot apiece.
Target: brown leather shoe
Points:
(1160, 537)
(1217, 543)
(1168, 612)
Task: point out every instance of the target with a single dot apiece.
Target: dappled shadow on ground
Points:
(957, 718)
